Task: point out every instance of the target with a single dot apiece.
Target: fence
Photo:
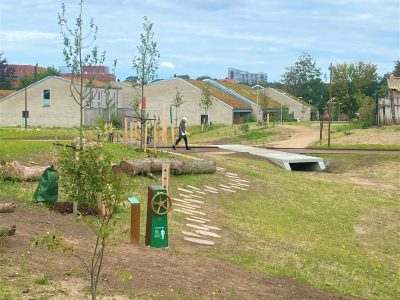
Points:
(388, 111)
(92, 115)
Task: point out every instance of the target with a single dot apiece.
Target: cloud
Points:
(21, 36)
(167, 65)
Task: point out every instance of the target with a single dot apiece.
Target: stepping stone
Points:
(200, 192)
(225, 186)
(232, 174)
(227, 190)
(197, 226)
(238, 187)
(184, 195)
(193, 187)
(239, 183)
(195, 220)
(194, 212)
(199, 241)
(185, 206)
(202, 219)
(180, 200)
(190, 233)
(211, 191)
(210, 188)
(185, 190)
(211, 227)
(197, 196)
(193, 201)
(183, 211)
(241, 180)
(208, 233)
(220, 169)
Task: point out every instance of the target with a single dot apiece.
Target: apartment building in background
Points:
(246, 77)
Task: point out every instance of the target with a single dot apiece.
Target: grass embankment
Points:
(317, 228)
(352, 136)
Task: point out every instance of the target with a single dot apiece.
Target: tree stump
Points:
(7, 208)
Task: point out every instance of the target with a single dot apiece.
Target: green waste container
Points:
(47, 190)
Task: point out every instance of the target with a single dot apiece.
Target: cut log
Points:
(16, 171)
(7, 231)
(145, 166)
(8, 207)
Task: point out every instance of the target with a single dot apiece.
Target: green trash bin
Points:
(47, 190)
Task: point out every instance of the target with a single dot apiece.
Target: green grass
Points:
(302, 225)
(357, 146)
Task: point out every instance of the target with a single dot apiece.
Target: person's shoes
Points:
(188, 148)
(173, 147)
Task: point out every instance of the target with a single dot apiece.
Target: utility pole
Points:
(330, 105)
(26, 108)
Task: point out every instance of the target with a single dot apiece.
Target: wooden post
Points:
(75, 203)
(126, 130)
(172, 134)
(145, 136)
(165, 176)
(155, 136)
(267, 119)
(164, 133)
(135, 220)
(131, 131)
(135, 133)
(321, 127)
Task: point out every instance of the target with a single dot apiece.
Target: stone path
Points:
(200, 230)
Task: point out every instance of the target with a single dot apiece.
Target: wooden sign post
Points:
(165, 176)
(135, 220)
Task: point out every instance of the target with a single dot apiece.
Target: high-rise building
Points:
(246, 77)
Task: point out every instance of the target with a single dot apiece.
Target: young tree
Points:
(146, 62)
(206, 100)
(177, 102)
(6, 74)
(79, 53)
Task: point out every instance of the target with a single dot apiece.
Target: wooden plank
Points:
(165, 176)
(196, 221)
(199, 241)
(189, 233)
(193, 187)
(208, 233)
(184, 195)
(211, 188)
(211, 191)
(187, 206)
(185, 190)
(197, 226)
(212, 227)
(228, 190)
(202, 219)
(197, 196)
(183, 211)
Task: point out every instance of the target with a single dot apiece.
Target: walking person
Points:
(182, 134)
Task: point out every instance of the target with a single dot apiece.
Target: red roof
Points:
(22, 70)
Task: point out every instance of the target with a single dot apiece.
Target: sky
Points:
(206, 37)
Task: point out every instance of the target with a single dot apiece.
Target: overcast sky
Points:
(199, 37)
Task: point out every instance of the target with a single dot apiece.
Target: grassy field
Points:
(337, 230)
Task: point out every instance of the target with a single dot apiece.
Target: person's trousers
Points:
(184, 138)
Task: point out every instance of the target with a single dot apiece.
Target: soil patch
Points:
(133, 271)
(66, 208)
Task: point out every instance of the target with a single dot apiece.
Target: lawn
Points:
(337, 230)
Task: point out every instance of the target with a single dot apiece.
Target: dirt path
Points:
(302, 137)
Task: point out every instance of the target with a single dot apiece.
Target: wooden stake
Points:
(135, 224)
(126, 130)
(145, 136)
(155, 136)
(172, 134)
(165, 176)
(131, 131)
(164, 134)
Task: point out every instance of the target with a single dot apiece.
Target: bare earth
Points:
(149, 273)
(302, 137)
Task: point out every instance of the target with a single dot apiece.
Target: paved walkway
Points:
(288, 161)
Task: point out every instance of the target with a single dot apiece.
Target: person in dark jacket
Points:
(182, 134)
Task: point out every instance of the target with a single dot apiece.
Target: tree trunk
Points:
(16, 171)
(8, 207)
(145, 166)
(7, 231)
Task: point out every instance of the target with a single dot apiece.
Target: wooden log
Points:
(8, 207)
(16, 171)
(145, 166)
(7, 231)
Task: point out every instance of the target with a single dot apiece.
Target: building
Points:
(160, 95)
(389, 108)
(23, 70)
(101, 73)
(49, 103)
(246, 77)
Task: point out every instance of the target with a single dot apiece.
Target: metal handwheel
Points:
(161, 207)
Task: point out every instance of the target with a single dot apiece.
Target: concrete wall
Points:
(161, 94)
(298, 109)
(63, 111)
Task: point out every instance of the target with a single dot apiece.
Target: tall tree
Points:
(146, 62)
(396, 70)
(355, 86)
(303, 79)
(6, 74)
(79, 53)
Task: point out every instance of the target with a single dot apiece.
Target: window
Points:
(46, 98)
